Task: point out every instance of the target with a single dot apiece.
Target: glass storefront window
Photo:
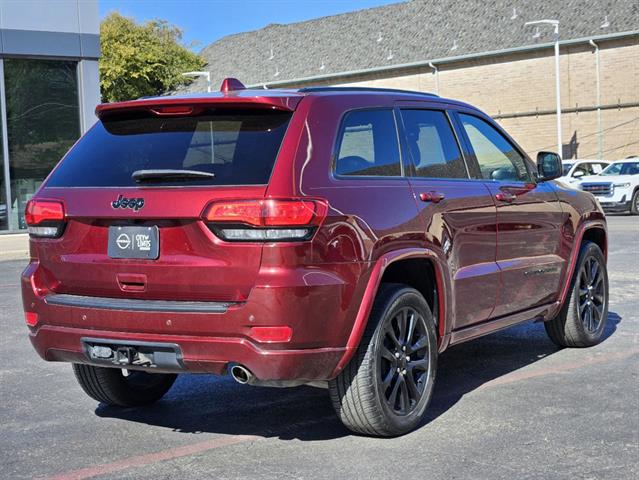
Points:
(43, 121)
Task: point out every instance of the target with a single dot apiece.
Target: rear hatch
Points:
(126, 172)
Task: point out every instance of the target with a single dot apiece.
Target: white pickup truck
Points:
(616, 187)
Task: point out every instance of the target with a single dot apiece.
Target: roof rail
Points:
(363, 89)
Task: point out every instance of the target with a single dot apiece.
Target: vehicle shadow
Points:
(466, 367)
(205, 403)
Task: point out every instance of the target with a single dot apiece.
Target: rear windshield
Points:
(238, 147)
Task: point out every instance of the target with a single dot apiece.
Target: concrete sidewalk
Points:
(14, 246)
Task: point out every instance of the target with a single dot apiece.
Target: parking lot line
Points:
(151, 458)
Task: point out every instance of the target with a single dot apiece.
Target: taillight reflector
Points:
(31, 318)
(280, 333)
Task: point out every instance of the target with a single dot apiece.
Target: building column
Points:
(89, 92)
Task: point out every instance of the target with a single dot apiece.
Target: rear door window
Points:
(368, 145)
(238, 147)
(432, 145)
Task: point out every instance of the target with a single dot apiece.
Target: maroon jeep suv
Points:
(335, 237)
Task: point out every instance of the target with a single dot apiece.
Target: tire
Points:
(362, 394)
(579, 323)
(111, 386)
(634, 203)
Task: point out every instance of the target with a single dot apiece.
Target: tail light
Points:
(45, 218)
(31, 318)
(270, 220)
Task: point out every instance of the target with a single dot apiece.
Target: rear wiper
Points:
(169, 174)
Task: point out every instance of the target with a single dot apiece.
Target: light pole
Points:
(206, 75)
(555, 24)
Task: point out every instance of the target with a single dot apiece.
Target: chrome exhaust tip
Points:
(241, 375)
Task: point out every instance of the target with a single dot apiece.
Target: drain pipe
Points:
(599, 123)
(436, 73)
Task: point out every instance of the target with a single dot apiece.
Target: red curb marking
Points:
(150, 458)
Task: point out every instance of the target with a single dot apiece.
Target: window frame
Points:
(410, 161)
(468, 148)
(338, 143)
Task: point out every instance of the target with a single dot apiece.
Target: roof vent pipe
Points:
(436, 73)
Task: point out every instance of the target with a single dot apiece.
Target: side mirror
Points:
(578, 173)
(548, 166)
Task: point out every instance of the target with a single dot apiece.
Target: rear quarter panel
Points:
(367, 218)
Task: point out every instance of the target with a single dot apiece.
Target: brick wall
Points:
(519, 89)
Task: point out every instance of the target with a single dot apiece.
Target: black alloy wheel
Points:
(592, 294)
(404, 360)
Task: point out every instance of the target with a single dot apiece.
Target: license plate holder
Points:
(134, 242)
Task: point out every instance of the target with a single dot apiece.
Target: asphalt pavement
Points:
(507, 406)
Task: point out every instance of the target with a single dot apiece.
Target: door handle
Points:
(434, 197)
(506, 197)
(131, 282)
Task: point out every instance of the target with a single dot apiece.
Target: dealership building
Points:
(482, 53)
(49, 88)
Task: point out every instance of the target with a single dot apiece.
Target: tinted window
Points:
(622, 169)
(368, 144)
(497, 158)
(238, 147)
(433, 148)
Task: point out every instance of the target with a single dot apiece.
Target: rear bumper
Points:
(320, 308)
(199, 354)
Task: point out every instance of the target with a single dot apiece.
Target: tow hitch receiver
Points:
(164, 356)
(130, 356)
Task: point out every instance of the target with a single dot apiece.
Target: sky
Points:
(204, 21)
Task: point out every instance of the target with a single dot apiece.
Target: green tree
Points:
(142, 60)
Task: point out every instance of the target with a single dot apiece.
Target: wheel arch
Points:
(402, 266)
(598, 236)
(634, 192)
(594, 231)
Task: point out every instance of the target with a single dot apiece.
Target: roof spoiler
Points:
(184, 106)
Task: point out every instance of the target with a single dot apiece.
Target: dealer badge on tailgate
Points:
(134, 242)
